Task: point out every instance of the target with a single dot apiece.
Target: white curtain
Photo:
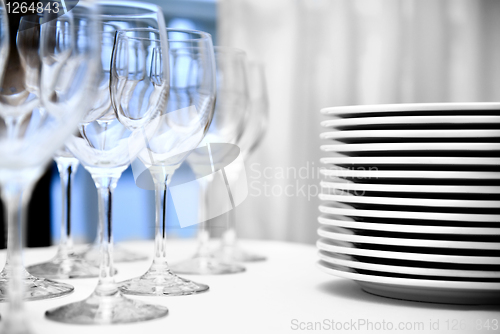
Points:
(323, 53)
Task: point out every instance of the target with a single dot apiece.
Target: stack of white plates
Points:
(411, 200)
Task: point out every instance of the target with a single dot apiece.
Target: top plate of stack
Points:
(418, 109)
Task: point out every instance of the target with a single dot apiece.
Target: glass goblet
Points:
(253, 133)
(182, 126)
(117, 15)
(226, 127)
(105, 147)
(41, 101)
(36, 61)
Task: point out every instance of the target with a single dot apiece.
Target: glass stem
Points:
(67, 168)
(105, 186)
(204, 230)
(15, 196)
(229, 236)
(161, 193)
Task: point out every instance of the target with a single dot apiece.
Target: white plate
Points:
(343, 247)
(350, 262)
(407, 120)
(342, 159)
(436, 291)
(410, 188)
(332, 220)
(411, 134)
(345, 210)
(346, 197)
(373, 172)
(337, 233)
(402, 107)
(385, 147)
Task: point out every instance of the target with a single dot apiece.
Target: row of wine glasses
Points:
(68, 263)
(156, 95)
(240, 119)
(227, 127)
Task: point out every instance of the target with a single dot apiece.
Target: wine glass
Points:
(105, 147)
(35, 93)
(183, 125)
(51, 72)
(227, 127)
(122, 15)
(253, 133)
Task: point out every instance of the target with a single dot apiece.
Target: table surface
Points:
(285, 294)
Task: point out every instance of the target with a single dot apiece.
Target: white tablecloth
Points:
(286, 294)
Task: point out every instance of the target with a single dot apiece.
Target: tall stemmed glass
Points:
(39, 87)
(139, 86)
(253, 133)
(52, 71)
(123, 15)
(183, 125)
(227, 127)
(66, 263)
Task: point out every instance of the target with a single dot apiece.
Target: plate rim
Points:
(433, 133)
(462, 259)
(479, 286)
(410, 201)
(417, 188)
(412, 215)
(410, 120)
(390, 107)
(409, 228)
(363, 239)
(409, 160)
(436, 146)
(381, 267)
(413, 174)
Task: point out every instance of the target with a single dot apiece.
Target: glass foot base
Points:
(236, 254)
(65, 268)
(105, 310)
(161, 282)
(120, 254)
(201, 265)
(36, 288)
